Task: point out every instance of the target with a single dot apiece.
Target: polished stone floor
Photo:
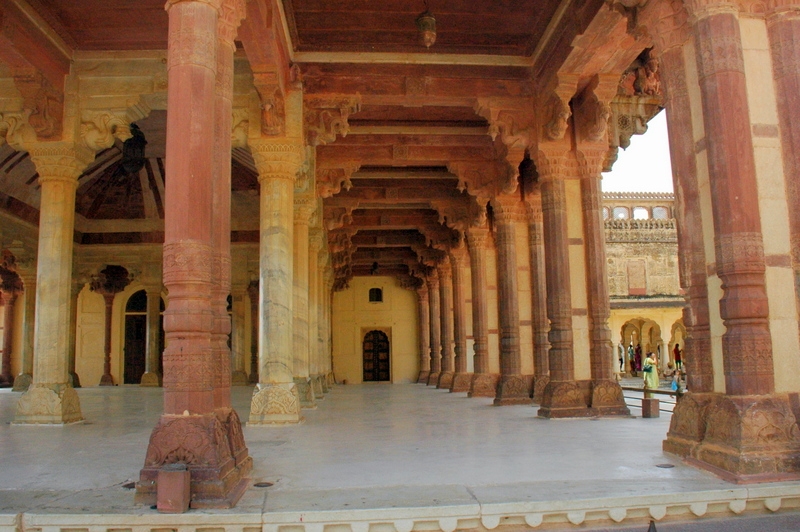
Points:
(372, 446)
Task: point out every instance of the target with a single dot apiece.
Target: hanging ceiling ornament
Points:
(426, 25)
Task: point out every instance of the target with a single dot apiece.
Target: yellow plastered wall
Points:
(89, 337)
(467, 276)
(354, 316)
(577, 273)
(772, 204)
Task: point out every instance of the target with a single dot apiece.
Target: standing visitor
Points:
(650, 372)
(676, 353)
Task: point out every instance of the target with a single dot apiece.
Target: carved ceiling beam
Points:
(384, 239)
(383, 256)
(394, 218)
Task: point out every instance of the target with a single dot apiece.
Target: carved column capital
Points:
(508, 209)
(699, 9)
(326, 117)
(477, 237)
(60, 161)
(277, 158)
(231, 14)
(303, 209)
(552, 161)
(445, 271)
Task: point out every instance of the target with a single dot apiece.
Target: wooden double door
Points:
(376, 357)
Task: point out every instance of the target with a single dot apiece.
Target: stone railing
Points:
(650, 230)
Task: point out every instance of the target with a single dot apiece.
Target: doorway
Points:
(376, 356)
(136, 338)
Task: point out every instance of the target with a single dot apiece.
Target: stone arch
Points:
(677, 336)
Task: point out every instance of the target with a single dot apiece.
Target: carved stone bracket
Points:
(326, 117)
(484, 180)
(273, 109)
(512, 120)
(460, 215)
(44, 103)
(15, 129)
(99, 128)
(331, 180)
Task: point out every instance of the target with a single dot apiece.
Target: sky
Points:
(644, 166)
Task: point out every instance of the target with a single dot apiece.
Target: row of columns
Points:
(442, 304)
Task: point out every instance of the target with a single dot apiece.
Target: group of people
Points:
(649, 367)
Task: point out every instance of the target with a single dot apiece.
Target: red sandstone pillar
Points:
(423, 307)
(541, 345)
(446, 307)
(562, 396)
(195, 424)
(50, 398)
(484, 384)
(607, 399)
(436, 327)
(461, 379)
(512, 388)
(783, 26)
(23, 380)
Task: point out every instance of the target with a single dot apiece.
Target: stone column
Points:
(24, 379)
(436, 326)
(111, 281)
(239, 356)
(303, 208)
(327, 302)
(315, 237)
(783, 27)
(446, 306)
(740, 265)
(512, 388)
(541, 345)
(423, 306)
(252, 296)
(75, 292)
(50, 399)
(9, 297)
(461, 379)
(152, 375)
(687, 427)
(607, 399)
(484, 384)
(562, 396)
(196, 423)
(276, 399)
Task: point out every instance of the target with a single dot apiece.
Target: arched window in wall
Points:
(136, 337)
(375, 295)
(640, 213)
(661, 213)
(621, 213)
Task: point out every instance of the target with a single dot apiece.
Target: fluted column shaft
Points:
(484, 384)
(446, 308)
(423, 306)
(300, 282)
(314, 281)
(436, 327)
(740, 262)
(8, 300)
(252, 296)
(461, 379)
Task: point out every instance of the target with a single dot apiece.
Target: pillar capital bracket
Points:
(460, 215)
(277, 158)
(330, 180)
(43, 103)
(484, 180)
(60, 160)
(325, 117)
(99, 128)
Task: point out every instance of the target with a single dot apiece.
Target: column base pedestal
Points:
(275, 404)
(48, 404)
(742, 439)
(74, 380)
(306, 393)
(423, 377)
(607, 399)
(563, 399)
(239, 378)
(461, 382)
(151, 379)
(6, 381)
(252, 378)
(317, 386)
(106, 380)
(433, 379)
(484, 385)
(445, 380)
(22, 382)
(212, 447)
(513, 390)
(539, 384)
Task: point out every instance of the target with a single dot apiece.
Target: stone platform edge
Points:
(751, 500)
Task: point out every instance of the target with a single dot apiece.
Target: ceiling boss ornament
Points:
(426, 24)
